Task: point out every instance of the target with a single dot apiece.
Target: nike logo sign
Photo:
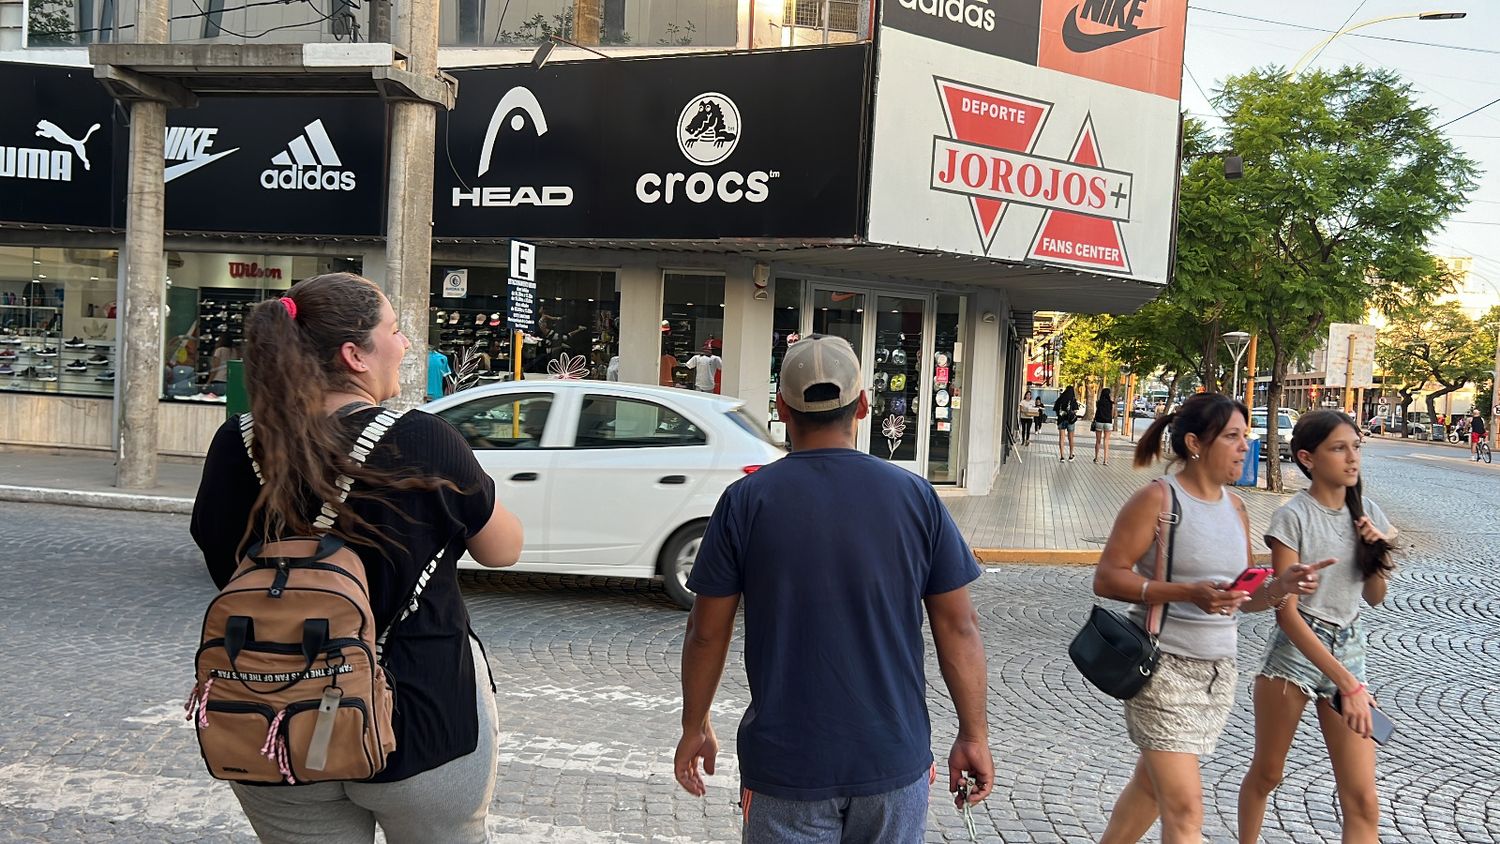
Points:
(187, 167)
(1079, 41)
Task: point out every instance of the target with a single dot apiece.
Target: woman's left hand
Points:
(1368, 532)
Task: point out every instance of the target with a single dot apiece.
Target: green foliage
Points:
(1088, 354)
(1345, 180)
(1434, 344)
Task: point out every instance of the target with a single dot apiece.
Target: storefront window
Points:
(945, 437)
(576, 331)
(57, 320)
(209, 295)
(786, 321)
(692, 331)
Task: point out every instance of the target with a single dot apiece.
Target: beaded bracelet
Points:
(1284, 593)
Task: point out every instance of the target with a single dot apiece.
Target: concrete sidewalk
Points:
(1045, 511)
(85, 479)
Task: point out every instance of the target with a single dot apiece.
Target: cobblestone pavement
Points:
(99, 614)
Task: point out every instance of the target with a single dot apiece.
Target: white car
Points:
(1284, 423)
(608, 478)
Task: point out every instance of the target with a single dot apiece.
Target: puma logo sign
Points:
(49, 130)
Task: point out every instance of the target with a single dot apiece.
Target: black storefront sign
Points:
(764, 145)
(1010, 29)
(56, 146)
(279, 165)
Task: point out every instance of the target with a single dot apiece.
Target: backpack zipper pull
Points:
(279, 584)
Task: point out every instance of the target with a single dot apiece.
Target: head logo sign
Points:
(1132, 43)
(523, 109)
(989, 160)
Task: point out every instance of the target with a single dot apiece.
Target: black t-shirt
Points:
(1104, 411)
(427, 655)
(1476, 425)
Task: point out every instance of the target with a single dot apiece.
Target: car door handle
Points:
(673, 479)
(524, 476)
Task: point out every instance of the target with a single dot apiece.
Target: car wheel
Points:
(676, 562)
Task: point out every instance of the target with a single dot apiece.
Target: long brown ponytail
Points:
(1311, 430)
(291, 363)
(1204, 414)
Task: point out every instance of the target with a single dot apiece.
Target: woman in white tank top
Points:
(1178, 716)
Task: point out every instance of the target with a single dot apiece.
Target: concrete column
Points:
(747, 340)
(138, 360)
(408, 248)
(640, 322)
(984, 362)
(588, 18)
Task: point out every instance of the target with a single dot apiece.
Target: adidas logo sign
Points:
(309, 163)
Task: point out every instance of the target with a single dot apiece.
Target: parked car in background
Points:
(608, 478)
(1382, 425)
(1284, 423)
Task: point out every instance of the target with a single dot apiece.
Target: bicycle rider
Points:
(1477, 431)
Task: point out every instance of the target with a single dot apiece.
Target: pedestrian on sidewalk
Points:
(835, 745)
(1104, 418)
(1177, 717)
(318, 362)
(1028, 417)
(1317, 652)
(1066, 408)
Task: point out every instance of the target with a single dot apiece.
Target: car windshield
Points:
(1283, 421)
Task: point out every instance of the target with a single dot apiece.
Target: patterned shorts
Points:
(1184, 706)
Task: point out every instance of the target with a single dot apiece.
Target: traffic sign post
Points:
(521, 287)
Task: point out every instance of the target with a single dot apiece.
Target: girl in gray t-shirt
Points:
(1317, 651)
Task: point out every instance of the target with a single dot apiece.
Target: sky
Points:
(1455, 69)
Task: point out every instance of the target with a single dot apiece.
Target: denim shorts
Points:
(1285, 662)
(1065, 426)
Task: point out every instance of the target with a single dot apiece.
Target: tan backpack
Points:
(289, 682)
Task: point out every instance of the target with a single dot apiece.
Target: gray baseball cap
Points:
(819, 359)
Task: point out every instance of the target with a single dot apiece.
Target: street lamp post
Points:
(1236, 341)
(1421, 16)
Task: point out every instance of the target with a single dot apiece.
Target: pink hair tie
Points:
(290, 305)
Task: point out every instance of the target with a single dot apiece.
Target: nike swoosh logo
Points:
(1079, 41)
(187, 167)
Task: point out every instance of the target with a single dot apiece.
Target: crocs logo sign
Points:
(516, 110)
(708, 132)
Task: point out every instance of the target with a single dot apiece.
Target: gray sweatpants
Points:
(894, 817)
(448, 803)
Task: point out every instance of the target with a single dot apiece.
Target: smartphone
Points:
(1250, 579)
(1381, 727)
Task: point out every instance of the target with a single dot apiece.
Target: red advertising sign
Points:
(1038, 373)
(985, 125)
(1091, 237)
(1132, 43)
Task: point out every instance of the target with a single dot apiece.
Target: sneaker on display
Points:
(75, 343)
(106, 375)
(98, 360)
(45, 376)
(77, 366)
(7, 369)
(45, 367)
(7, 354)
(46, 352)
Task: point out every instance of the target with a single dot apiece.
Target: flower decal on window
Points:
(566, 367)
(894, 429)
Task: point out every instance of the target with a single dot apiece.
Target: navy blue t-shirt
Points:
(833, 551)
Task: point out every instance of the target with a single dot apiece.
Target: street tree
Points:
(1345, 180)
(1088, 355)
(1439, 344)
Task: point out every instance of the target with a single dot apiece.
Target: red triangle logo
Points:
(994, 119)
(1068, 238)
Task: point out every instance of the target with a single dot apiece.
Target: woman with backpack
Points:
(1066, 408)
(1317, 652)
(318, 362)
(1104, 419)
(1176, 718)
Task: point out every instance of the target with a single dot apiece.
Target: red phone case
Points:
(1250, 579)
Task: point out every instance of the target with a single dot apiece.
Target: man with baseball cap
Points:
(836, 553)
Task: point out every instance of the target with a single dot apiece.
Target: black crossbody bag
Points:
(1112, 651)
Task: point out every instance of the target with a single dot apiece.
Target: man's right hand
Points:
(973, 759)
(695, 745)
